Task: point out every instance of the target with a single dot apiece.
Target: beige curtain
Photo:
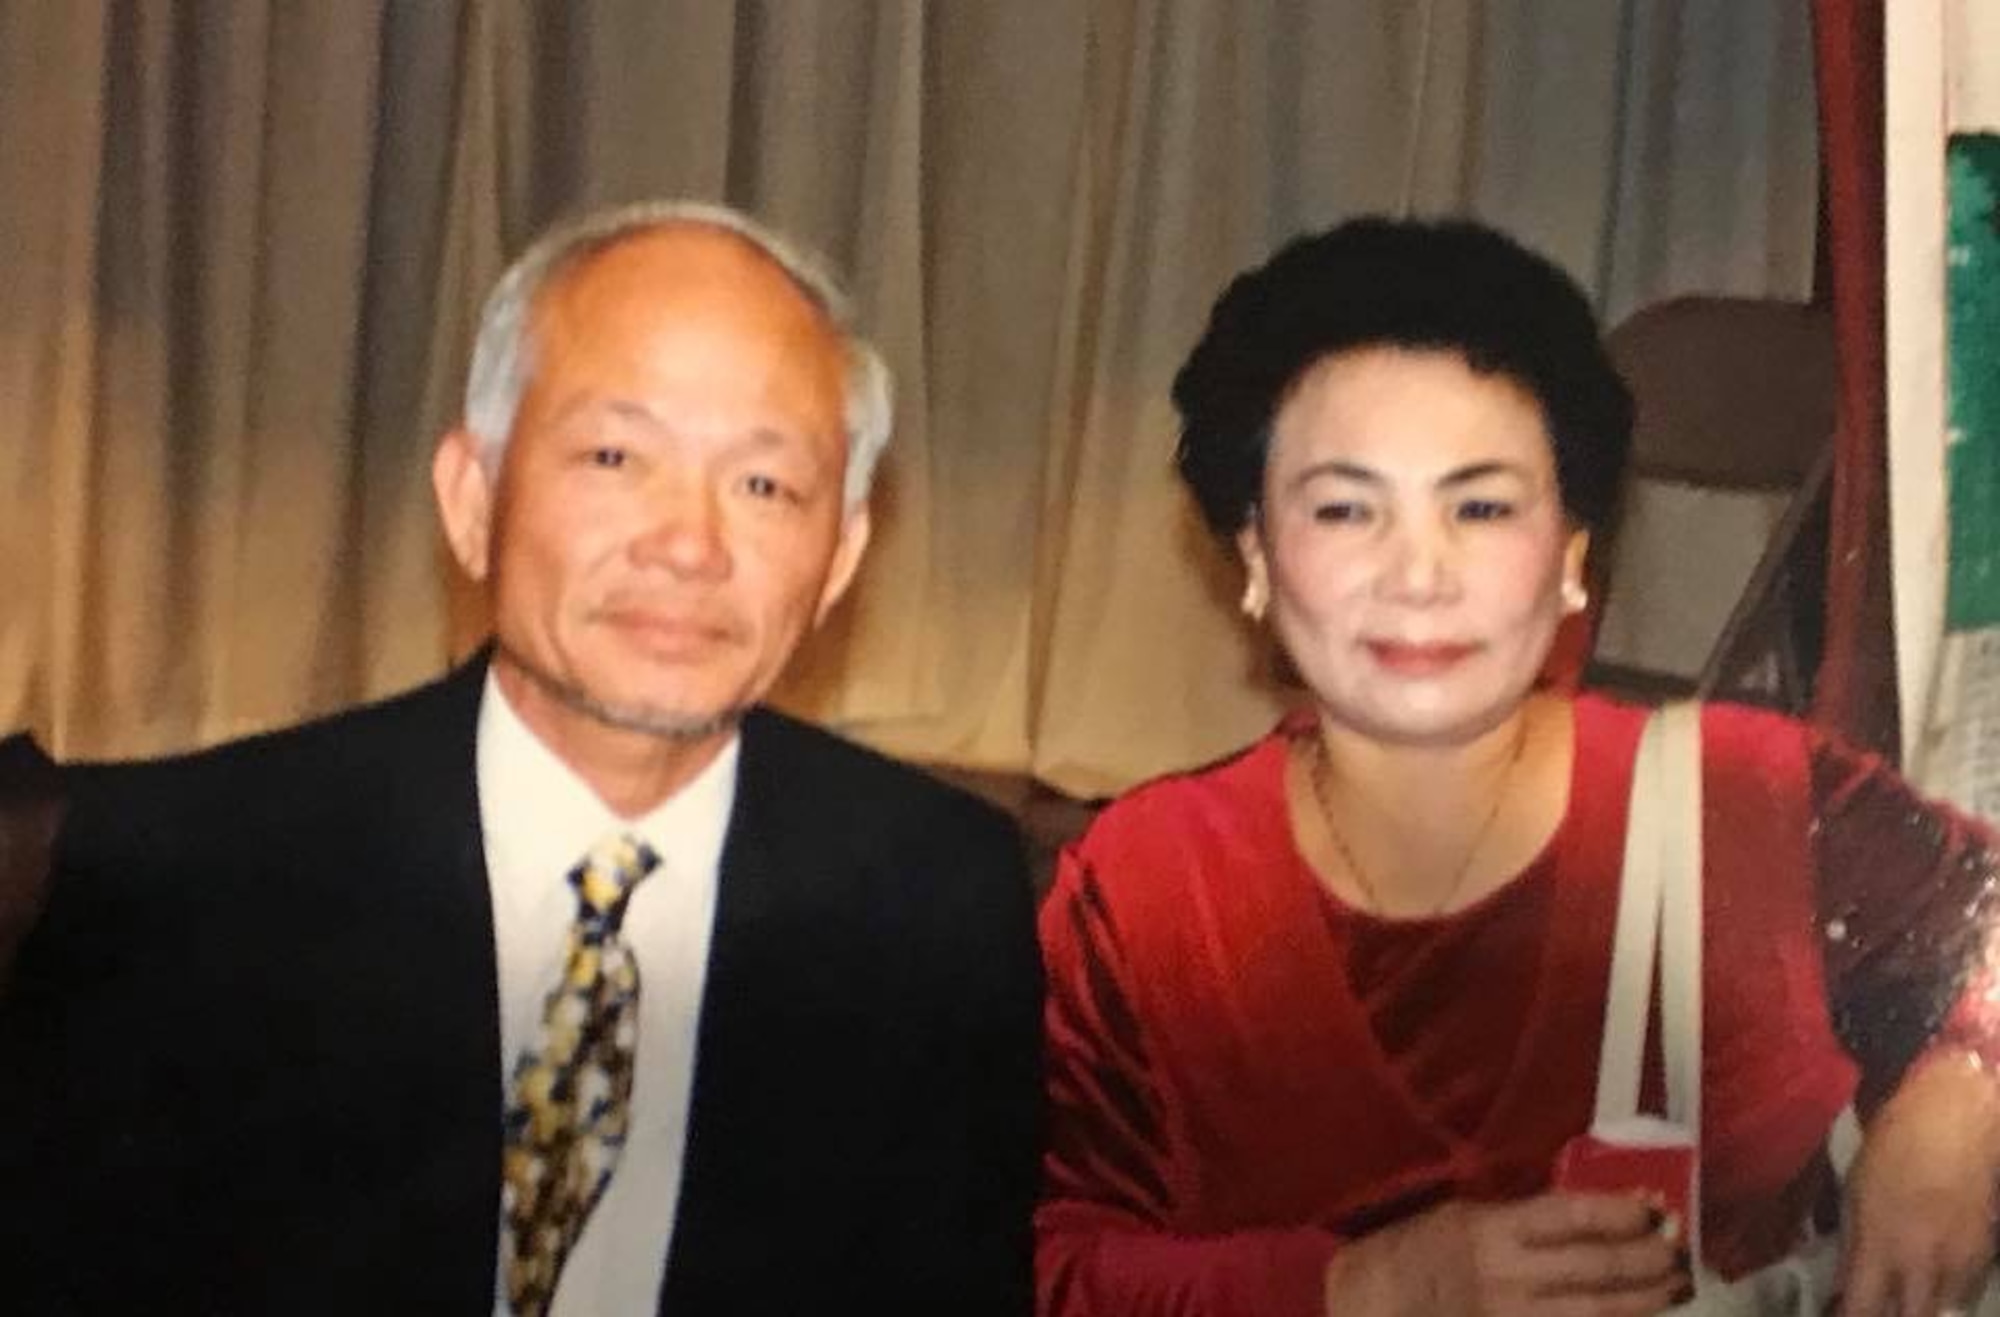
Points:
(242, 243)
(1654, 148)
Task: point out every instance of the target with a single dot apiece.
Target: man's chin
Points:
(627, 713)
(650, 720)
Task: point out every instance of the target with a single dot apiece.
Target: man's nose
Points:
(684, 532)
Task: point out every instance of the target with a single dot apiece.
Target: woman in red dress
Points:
(1321, 1015)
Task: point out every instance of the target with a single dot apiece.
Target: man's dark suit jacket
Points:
(251, 1062)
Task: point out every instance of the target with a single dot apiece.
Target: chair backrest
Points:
(1735, 403)
(1733, 393)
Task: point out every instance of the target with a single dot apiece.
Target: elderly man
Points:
(576, 982)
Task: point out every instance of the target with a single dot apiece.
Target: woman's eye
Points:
(1485, 509)
(1341, 513)
(763, 486)
(607, 458)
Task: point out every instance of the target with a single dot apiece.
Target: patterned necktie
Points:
(572, 1088)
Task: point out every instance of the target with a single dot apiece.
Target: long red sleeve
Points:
(1908, 908)
(1105, 1245)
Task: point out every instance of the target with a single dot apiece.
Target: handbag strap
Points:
(1659, 925)
(1621, 1056)
(1679, 786)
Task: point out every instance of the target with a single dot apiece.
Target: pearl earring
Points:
(1253, 601)
(1575, 598)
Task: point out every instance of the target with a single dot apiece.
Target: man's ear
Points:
(854, 531)
(464, 493)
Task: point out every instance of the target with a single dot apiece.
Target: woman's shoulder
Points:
(1715, 714)
(1736, 739)
(1236, 802)
(1215, 839)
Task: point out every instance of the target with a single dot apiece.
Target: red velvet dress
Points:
(1244, 1072)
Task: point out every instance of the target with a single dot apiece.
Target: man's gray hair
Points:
(502, 355)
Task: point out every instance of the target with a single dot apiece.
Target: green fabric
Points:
(1973, 453)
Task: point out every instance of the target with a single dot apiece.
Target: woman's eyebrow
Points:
(1465, 475)
(1337, 467)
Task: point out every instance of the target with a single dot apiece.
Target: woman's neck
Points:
(1412, 779)
(1413, 830)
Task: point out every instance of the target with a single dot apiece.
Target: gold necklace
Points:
(1322, 765)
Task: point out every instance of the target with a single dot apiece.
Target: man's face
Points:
(666, 524)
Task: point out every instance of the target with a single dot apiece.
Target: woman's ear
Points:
(1576, 553)
(1256, 572)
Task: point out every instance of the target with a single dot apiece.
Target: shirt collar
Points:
(540, 817)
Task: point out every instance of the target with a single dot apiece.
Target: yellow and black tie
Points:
(571, 1096)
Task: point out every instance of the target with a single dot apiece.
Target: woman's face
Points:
(1412, 543)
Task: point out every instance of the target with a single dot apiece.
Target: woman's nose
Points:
(1421, 565)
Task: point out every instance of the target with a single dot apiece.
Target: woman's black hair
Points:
(1451, 285)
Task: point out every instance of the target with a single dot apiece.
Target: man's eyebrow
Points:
(632, 409)
(594, 405)
(624, 409)
(628, 409)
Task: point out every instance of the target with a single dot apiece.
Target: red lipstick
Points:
(1419, 660)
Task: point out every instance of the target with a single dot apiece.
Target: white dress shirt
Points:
(538, 820)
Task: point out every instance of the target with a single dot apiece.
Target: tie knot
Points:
(606, 876)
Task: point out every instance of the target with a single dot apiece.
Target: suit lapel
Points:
(443, 923)
(727, 1169)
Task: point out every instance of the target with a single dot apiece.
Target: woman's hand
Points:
(1920, 1200)
(1559, 1255)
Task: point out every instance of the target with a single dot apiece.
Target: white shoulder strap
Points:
(1659, 910)
(1621, 1057)
(1679, 787)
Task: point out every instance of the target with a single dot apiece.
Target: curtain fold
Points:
(247, 243)
(51, 166)
(1855, 693)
